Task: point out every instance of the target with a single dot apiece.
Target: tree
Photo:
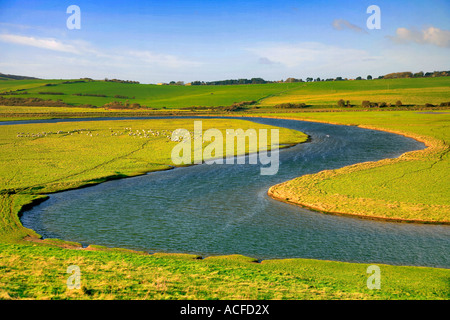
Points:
(397, 75)
(398, 103)
(358, 78)
(341, 103)
(369, 77)
(258, 81)
(290, 80)
(366, 104)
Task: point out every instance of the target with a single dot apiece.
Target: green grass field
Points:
(33, 165)
(30, 271)
(410, 91)
(154, 96)
(38, 159)
(413, 187)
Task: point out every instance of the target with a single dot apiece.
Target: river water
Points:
(224, 209)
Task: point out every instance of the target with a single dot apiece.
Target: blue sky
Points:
(161, 41)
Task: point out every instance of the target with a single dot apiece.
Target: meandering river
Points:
(224, 209)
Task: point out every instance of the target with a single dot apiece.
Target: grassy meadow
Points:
(413, 187)
(38, 159)
(150, 95)
(416, 91)
(409, 91)
(32, 271)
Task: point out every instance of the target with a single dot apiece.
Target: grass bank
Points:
(411, 188)
(40, 272)
(38, 159)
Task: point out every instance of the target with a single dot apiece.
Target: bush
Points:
(121, 105)
(369, 104)
(238, 105)
(70, 82)
(365, 104)
(7, 93)
(54, 93)
(121, 81)
(89, 95)
(398, 103)
(397, 75)
(444, 104)
(341, 103)
(290, 105)
(18, 101)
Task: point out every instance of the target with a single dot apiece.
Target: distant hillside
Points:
(15, 77)
(407, 91)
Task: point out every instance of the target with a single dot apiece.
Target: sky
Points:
(161, 41)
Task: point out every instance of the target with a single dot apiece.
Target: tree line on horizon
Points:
(394, 75)
(230, 82)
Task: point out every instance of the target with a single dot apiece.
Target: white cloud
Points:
(43, 43)
(165, 60)
(92, 55)
(309, 53)
(264, 60)
(76, 47)
(430, 35)
(420, 59)
(341, 24)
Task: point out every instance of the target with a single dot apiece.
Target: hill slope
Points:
(325, 93)
(14, 77)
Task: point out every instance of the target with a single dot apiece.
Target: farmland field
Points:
(412, 187)
(155, 96)
(408, 91)
(317, 94)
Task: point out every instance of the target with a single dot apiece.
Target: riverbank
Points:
(410, 188)
(38, 272)
(62, 156)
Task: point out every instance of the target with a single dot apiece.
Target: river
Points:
(224, 209)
